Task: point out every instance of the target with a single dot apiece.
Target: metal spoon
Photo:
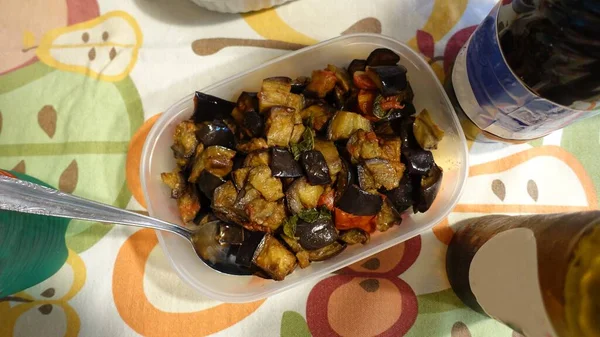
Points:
(26, 197)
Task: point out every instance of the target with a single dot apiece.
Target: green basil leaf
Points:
(309, 215)
(307, 143)
(289, 226)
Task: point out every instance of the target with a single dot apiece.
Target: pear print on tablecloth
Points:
(105, 48)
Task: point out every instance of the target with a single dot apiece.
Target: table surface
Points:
(74, 113)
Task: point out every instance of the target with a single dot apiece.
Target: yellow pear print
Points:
(105, 48)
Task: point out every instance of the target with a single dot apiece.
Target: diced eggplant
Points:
(343, 78)
(315, 167)
(283, 164)
(344, 124)
(238, 161)
(365, 179)
(215, 133)
(257, 158)
(321, 82)
(176, 182)
(326, 252)
(297, 132)
(346, 177)
(188, 204)
(230, 234)
(331, 155)
(252, 145)
(184, 140)
(223, 204)
(382, 57)
(248, 101)
(279, 126)
(354, 236)
(391, 148)
(317, 234)
(387, 217)
(299, 84)
(302, 195)
(356, 201)
(427, 133)
(215, 254)
(365, 101)
(384, 173)
(239, 177)
(208, 108)
(245, 255)
(217, 160)
(391, 80)
(363, 145)
(260, 214)
(357, 65)
(319, 114)
(418, 161)
(272, 257)
(208, 183)
(337, 97)
(430, 186)
(275, 91)
(303, 259)
(261, 179)
(403, 196)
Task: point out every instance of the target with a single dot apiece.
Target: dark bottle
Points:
(555, 49)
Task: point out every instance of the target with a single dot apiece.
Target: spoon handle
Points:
(25, 197)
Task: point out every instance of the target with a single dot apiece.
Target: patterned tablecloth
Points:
(81, 84)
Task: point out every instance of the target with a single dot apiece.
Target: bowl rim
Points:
(171, 113)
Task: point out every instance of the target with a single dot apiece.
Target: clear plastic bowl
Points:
(157, 157)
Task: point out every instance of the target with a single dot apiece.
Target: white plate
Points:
(157, 157)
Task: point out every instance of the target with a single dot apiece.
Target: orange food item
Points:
(363, 81)
(345, 221)
(366, 98)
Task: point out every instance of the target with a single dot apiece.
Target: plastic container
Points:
(157, 157)
(238, 6)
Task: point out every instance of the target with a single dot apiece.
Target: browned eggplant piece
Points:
(252, 145)
(208, 108)
(387, 217)
(239, 177)
(346, 177)
(403, 196)
(391, 148)
(217, 160)
(331, 155)
(176, 182)
(351, 101)
(275, 91)
(215, 133)
(257, 158)
(261, 179)
(279, 126)
(382, 57)
(230, 234)
(260, 214)
(319, 114)
(343, 79)
(301, 195)
(215, 254)
(238, 161)
(344, 124)
(303, 259)
(283, 164)
(322, 82)
(297, 133)
(247, 116)
(365, 179)
(248, 101)
(354, 236)
(208, 183)
(386, 174)
(430, 186)
(317, 234)
(357, 65)
(427, 133)
(272, 257)
(188, 204)
(315, 167)
(357, 201)
(223, 204)
(327, 252)
(363, 145)
(391, 80)
(337, 97)
(299, 84)
(245, 255)
(184, 140)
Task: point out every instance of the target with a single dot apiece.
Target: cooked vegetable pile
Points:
(305, 167)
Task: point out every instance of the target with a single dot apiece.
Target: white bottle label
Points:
(504, 279)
